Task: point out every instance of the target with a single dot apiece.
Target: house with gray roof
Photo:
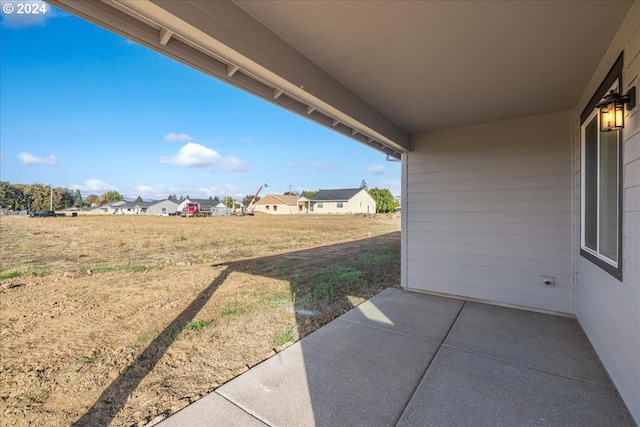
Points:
(341, 201)
(108, 207)
(160, 207)
(156, 207)
(126, 208)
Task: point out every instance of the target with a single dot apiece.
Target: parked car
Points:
(43, 214)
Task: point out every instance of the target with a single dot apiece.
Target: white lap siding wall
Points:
(609, 309)
(488, 211)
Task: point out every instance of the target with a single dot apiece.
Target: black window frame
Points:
(615, 73)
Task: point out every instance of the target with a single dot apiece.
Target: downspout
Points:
(576, 137)
(403, 222)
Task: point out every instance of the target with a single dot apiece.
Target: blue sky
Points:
(86, 109)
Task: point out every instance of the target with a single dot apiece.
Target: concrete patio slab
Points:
(550, 343)
(418, 315)
(212, 410)
(343, 374)
(465, 389)
(381, 365)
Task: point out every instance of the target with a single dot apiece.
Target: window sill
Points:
(615, 271)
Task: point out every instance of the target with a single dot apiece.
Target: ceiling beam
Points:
(165, 36)
(231, 70)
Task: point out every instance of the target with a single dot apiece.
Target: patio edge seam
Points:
(440, 344)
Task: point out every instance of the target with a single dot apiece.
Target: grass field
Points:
(114, 320)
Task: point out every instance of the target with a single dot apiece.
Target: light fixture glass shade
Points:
(611, 116)
(612, 110)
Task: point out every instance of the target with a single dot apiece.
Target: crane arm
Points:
(255, 197)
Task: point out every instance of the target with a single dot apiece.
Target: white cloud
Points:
(375, 170)
(305, 164)
(192, 154)
(29, 159)
(177, 137)
(147, 193)
(318, 165)
(197, 155)
(92, 186)
(234, 164)
(145, 189)
(296, 164)
(220, 191)
(21, 14)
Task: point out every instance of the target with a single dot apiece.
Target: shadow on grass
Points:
(114, 397)
(324, 283)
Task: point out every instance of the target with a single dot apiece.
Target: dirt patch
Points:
(116, 320)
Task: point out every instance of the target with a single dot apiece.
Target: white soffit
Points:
(430, 65)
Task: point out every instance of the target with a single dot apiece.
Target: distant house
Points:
(126, 208)
(108, 207)
(279, 204)
(156, 207)
(341, 201)
(160, 207)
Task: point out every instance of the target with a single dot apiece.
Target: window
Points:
(339, 205)
(275, 207)
(319, 205)
(601, 204)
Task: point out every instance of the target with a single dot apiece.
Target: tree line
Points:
(37, 197)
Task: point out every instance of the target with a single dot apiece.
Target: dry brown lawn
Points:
(116, 320)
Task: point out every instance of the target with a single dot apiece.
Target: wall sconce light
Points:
(612, 109)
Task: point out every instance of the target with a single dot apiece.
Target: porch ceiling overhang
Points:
(381, 71)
